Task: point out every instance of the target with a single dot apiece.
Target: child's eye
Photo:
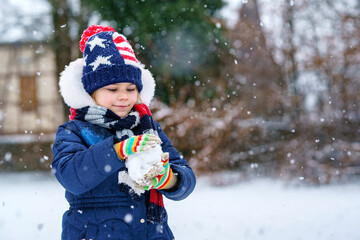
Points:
(112, 89)
(131, 89)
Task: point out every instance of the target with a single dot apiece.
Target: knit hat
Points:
(105, 54)
(108, 59)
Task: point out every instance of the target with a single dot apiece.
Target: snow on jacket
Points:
(87, 166)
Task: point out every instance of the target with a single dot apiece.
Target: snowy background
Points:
(31, 207)
(32, 204)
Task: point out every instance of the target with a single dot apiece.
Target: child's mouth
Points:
(121, 106)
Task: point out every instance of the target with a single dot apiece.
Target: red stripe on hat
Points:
(120, 39)
(129, 58)
(126, 49)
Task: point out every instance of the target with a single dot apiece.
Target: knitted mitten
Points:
(136, 144)
(162, 180)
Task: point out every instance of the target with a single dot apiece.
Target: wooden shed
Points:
(31, 108)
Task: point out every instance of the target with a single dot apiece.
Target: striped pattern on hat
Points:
(125, 49)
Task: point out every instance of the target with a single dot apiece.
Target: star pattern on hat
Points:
(96, 42)
(100, 60)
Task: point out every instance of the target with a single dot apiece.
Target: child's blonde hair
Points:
(139, 101)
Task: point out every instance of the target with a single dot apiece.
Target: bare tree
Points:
(257, 77)
(290, 66)
(65, 19)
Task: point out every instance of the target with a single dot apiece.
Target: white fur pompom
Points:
(72, 88)
(148, 90)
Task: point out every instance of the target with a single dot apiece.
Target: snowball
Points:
(123, 177)
(144, 166)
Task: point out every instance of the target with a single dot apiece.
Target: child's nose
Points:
(122, 96)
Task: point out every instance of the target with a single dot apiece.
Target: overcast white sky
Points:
(17, 17)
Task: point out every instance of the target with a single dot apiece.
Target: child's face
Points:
(119, 97)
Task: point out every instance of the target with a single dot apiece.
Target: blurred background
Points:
(258, 87)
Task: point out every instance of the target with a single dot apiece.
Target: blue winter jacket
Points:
(86, 165)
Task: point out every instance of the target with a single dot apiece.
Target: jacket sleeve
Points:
(78, 167)
(185, 175)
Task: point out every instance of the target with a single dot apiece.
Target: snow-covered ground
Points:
(31, 206)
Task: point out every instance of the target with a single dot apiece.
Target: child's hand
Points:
(163, 180)
(136, 144)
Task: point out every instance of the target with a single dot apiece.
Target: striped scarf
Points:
(139, 121)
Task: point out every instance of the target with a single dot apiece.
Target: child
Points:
(110, 124)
